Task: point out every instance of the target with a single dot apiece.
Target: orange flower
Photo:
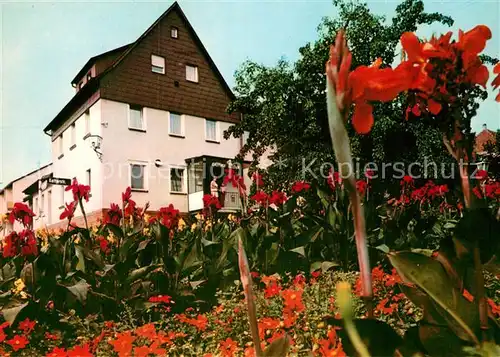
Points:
(267, 323)
(147, 331)
(228, 347)
(331, 347)
(57, 352)
(123, 343)
(269, 279)
(80, 351)
(289, 318)
(27, 325)
(271, 290)
(292, 300)
(18, 342)
(362, 85)
(142, 351)
(337, 70)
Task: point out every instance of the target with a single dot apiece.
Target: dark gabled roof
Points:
(88, 89)
(91, 61)
(176, 6)
(9, 185)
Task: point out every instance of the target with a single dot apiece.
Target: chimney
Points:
(485, 127)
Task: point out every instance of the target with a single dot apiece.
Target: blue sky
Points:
(43, 46)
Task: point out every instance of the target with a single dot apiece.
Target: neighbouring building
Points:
(484, 137)
(13, 192)
(149, 115)
(483, 157)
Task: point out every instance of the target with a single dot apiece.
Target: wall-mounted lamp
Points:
(95, 144)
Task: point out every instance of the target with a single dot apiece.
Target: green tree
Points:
(285, 106)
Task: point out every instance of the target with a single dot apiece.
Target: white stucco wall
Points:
(121, 146)
(75, 163)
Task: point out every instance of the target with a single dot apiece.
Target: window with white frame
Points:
(62, 195)
(192, 73)
(136, 118)
(73, 134)
(86, 119)
(211, 132)
(157, 64)
(60, 146)
(89, 178)
(176, 124)
(177, 180)
(138, 176)
(174, 32)
(246, 135)
(42, 204)
(49, 206)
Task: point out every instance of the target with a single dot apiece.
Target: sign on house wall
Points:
(59, 181)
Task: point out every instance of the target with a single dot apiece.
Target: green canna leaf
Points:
(430, 276)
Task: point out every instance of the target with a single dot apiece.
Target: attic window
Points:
(157, 64)
(89, 76)
(173, 32)
(191, 73)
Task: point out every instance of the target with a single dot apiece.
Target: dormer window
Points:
(174, 32)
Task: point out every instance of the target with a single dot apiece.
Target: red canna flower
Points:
(481, 175)
(28, 242)
(278, 198)
(211, 204)
(361, 186)
(169, 216)
(79, 191)
(126, 195)
(113, 215)
(18, 342)
(257, 178)
(21, 213)
(334, 180)
(261, 198)
(300, 186)
(104, 244)
(69, 211)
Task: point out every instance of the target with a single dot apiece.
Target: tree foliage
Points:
(285, 107)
